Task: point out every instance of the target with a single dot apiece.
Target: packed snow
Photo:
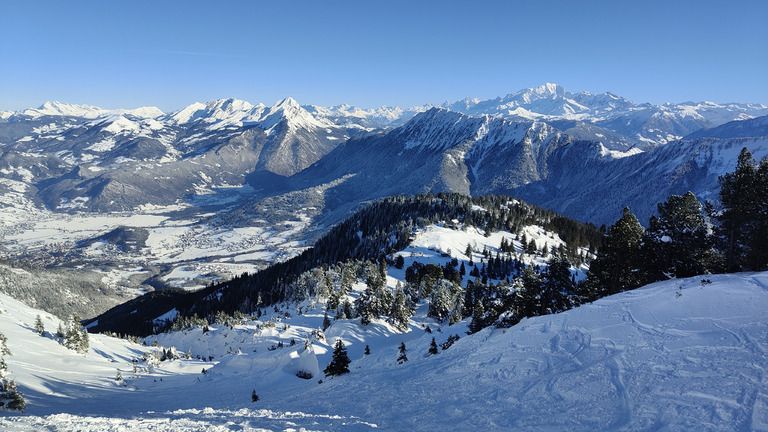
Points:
(684, 354)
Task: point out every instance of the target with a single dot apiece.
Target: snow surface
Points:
(686, 354)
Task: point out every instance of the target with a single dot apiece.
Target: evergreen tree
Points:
(441, 303)
(530, 294)
(401, 358)
(400, 313)
(743, 222)
(367, 305)
(347, 278)
(39, 328)
(478, 321)
(326, 321)
(339, 364)
(677, 243)
(76, 337)
(557, 286)
(10, 396)
(617, 265)
(433, 347)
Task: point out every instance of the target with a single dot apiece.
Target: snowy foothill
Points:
(684, 354)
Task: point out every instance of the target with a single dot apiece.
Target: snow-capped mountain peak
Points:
(297, 117)
(545, 91)
(56, 108)
(188, 114)
(288, 103)
(229, 105)
(219, 112)
(61, 109)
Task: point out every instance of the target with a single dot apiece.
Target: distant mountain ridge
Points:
(79, 157)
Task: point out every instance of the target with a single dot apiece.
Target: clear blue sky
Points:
(126, 54)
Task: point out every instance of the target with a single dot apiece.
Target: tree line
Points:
(689, 238)
(376, 231)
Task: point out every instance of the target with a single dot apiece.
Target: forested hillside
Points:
(372, 235)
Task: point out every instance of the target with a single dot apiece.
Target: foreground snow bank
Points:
(676, 355)
(684, 354)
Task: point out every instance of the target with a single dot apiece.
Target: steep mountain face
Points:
(756, 127)
(437, 151)
(444, 151)
(99, 160)
(589, 187)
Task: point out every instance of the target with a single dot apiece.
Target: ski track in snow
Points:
(646, 359)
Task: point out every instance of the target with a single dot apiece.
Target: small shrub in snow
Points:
(39, 328)
(451, 339)
(402, 358)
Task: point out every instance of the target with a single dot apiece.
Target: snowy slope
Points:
(677, 355)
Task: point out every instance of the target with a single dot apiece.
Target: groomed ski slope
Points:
(675, 355)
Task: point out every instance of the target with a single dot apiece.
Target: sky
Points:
(169, 54)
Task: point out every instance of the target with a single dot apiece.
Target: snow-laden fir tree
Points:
(340, 361)
(400, 313)
(39, 327)
(10, 397)
(441, 301)
(76, 337)
(677, 242)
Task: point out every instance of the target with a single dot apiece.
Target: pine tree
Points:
(367, 305)
(433, 347)
(677, 243)
(743, 222)
(400, 313)
(530, 294)
(10, 396)
(557, 286)
(326, 321)
(402, 358)
(339, 364)
(478, 321)
(39, 328)
(76, 337)
(441, 304)
(617, 265)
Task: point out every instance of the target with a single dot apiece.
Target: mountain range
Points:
(83, 157)
(280, 176)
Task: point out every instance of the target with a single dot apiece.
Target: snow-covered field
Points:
(675, 355)
(192, 251)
